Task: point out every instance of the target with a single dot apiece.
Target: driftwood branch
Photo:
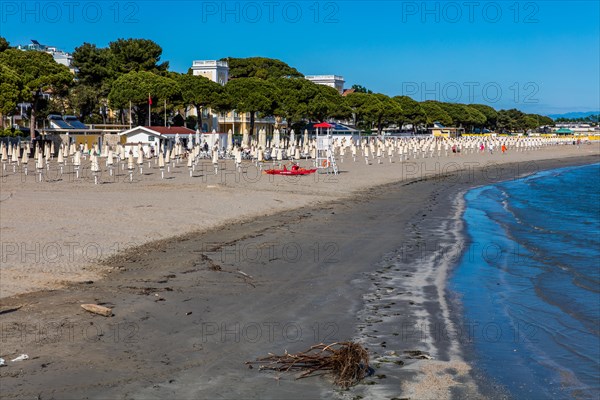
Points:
(347, 361)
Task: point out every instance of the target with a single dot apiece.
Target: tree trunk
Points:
(199, 117)
(2, 119)
(251, 123)
(32, 122)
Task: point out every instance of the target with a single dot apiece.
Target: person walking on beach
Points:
(503, 148)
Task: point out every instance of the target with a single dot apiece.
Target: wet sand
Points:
(189, 311)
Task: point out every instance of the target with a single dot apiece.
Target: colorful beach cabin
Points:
(439, 130)
(564, 131)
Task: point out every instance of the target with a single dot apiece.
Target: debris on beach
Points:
(96, 309)
(6, 310)
(347, 361)
(22, 357)
(417, 355)
(2, 362)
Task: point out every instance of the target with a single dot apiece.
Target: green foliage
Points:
(435, 113)
(83, 100)
(129, 55)
(137, 86)
(294, 98)
(11, 90)
(10, 132)
(252, 95)
(374, 109)
(3, 44)
(38, 71)
(198, 91)
(259, 67)
(590, 119)
(412, 111)
(327, 103)
(93, 67)
(361, 89)
(491, 115)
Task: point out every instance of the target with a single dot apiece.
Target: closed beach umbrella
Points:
(229, 139)
(109, 158)
(40, 161)
(161, 160)
(25, 157)
(15, 155)
(95, 166)
(140, 158)
(215, 155)
(4, 153)
(77, 159)
(245, 139)
(130, 160)
(292, 137)
(305, 140)
(60, 159)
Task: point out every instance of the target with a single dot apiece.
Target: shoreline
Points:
(126, 287)
(488, 384)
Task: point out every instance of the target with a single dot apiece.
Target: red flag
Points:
(149, 100)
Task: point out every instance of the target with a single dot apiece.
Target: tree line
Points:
(129, 73)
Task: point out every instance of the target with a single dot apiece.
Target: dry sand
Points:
(59, 230)
(189, 311)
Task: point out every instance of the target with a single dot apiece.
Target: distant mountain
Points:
(573, 115)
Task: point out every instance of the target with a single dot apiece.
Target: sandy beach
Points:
(208, 272)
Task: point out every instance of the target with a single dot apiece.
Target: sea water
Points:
(528, 283)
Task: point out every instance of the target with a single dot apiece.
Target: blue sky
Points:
(541, 56)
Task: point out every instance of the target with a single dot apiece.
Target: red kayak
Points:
(285, 171)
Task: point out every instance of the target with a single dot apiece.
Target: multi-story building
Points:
(218, 71)
(334, 81)
(59, 56)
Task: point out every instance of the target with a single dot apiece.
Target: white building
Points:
(216, 71)
(334, 81)
(146, 136)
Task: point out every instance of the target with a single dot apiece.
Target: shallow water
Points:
(528, 283)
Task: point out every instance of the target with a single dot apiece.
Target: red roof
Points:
(172, 130)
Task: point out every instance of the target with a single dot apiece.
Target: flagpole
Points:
(129, 114)
(149, 110)
(165, 112)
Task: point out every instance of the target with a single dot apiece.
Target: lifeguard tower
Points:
(325, 157)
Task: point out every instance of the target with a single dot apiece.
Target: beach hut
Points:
(149, 137)
(564, 131)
